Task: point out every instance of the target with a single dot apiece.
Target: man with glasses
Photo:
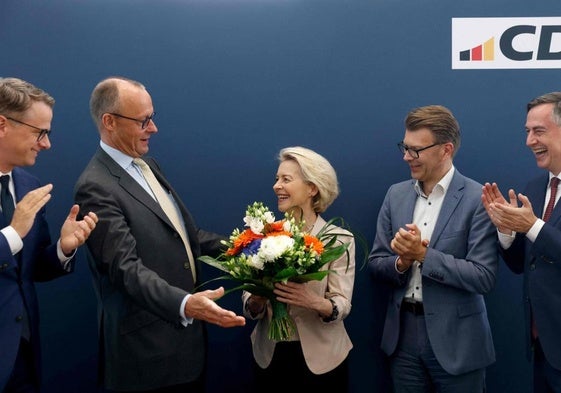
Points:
(435, 246)
(143, 255)
(26, 251)
(531, 245)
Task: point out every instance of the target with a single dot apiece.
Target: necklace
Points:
(309, 227)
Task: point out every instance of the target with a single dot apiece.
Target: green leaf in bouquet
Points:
(285, 274)
(312, 276)
(213, 262)
(331, 254)
(259, 290)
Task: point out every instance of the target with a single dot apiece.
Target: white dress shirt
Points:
(427, 209)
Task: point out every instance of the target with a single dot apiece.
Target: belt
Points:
(413, 307)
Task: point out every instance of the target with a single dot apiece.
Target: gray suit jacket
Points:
(460, 266)
(141, 275)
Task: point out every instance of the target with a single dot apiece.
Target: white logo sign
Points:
(492, 43)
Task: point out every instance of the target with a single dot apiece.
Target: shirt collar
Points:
(120, 158)
(443, 183)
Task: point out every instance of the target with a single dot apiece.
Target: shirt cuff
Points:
(13, 239)
(64, 260)
(535, 230)
(185, 320)
(396, 269)
(506, 240)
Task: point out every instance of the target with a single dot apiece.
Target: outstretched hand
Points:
(202, 305)
(74, 233)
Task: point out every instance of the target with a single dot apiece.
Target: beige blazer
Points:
(324, 344)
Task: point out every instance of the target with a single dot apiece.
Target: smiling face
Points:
(544, 137)
(292, 190)
(433, 163)
(18, 142)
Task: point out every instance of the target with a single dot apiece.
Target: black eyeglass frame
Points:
(414, 153)
(42, 131)
(143, 123)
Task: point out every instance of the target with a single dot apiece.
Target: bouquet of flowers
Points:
(270, 251)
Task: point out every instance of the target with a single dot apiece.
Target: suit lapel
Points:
(22, 184)
(182, 209)
(535, 192)
(131, 186)
(449, 204)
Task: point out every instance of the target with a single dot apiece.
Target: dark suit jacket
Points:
(541, 264)
(460, 267)
(37, 261)
(141, 275)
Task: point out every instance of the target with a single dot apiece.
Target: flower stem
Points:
(282, 326)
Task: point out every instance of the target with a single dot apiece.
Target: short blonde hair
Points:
(17, 96)
(317, 170)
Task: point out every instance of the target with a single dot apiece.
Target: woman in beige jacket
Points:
(316, 353)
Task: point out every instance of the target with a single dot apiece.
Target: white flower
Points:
(269, 217)
(256, 262)
(273, 247)
(255, 224)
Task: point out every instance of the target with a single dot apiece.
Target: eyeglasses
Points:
(414, 153)
(41, 133)
(143, 123)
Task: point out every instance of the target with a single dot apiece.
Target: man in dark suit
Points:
(152, 335)
(26, 251)
(532, 245)
(436, 246)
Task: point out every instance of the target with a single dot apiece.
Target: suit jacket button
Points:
(19, 318)
(186, 266)
(532, 266)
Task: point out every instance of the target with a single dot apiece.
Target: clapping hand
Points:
(74, 232)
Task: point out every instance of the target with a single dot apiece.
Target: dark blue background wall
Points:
(233, 82)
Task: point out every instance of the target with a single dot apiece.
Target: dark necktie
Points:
(6, 199)
(551, 203)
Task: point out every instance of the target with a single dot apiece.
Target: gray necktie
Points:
(167, 206)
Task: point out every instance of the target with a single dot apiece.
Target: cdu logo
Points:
(491, 43)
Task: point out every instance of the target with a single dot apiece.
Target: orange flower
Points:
(276, 226)
(243, 240)
(313, 242)
(276, 229)
(280, 233)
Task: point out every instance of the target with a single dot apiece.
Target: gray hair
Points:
(105, 96)
(316, 170)
(549, 98)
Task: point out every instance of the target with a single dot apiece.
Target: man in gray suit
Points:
(436, 247)
(152, 335)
